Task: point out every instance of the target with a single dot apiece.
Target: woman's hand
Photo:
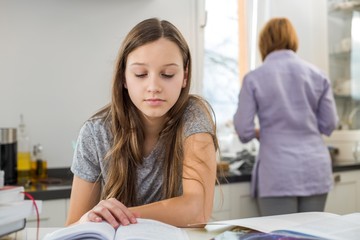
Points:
(257, 133)
(111, 211)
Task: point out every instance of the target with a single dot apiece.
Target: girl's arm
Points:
(193, 207)
(199, 176)
(85, 206)
(84, 196)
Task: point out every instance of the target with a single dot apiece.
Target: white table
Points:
(30, 234)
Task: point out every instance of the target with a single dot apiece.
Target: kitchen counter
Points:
(58, 185)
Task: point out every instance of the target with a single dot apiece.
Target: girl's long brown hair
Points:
(127, 130)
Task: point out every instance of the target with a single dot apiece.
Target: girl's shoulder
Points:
(97, 125)
(197, 106)
(198, 116)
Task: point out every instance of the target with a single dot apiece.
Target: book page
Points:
(147, 229)
(352, 217)
(277, 222)
(87, 230)
(332, 227)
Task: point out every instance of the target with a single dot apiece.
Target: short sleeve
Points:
(86, 163)
(197, 119)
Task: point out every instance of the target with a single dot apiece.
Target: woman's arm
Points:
(257, 133)
(199, 176)
(326, 114)
(245, 114)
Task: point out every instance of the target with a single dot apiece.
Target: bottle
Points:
(8, 155)
(24, 154)
(40, 163)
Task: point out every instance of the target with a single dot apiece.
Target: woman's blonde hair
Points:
(127, 129)
(277, 34)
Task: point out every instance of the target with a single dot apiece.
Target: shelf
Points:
(342, 14)
(344, 7)
(341, 54)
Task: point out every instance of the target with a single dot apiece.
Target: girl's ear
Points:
(125, 85)
(186, 74)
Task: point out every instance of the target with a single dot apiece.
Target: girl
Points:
(151, 152)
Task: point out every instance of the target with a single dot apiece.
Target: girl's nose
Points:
(154, 84)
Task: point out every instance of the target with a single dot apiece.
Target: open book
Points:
(312, 225)
(145, 229)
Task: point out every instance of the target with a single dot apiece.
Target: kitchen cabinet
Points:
(233, 201)
(345, 196)
(221, 207)
(344, 59)
(53, 214)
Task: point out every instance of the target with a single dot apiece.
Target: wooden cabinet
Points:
(53, 214)
(221, 207)
(345, 196)
(233, 201)
(243, 204)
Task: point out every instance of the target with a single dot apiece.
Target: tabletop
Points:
(30, 234)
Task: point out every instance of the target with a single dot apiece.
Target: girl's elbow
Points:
(199, 213)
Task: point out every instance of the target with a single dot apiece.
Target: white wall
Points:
(309, 18)
(57, 58)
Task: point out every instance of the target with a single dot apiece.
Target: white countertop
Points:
(30, 234)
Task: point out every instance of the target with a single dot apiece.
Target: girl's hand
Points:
(111, 211)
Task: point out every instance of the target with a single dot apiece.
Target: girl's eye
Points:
(167, 75)
(141, 75)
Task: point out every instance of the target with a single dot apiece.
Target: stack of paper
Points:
(13, 209)
(313, 225)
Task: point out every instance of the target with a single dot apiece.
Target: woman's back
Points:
(287, 92)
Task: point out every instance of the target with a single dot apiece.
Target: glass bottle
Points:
(24, 154)
(356, 151)
(40, 163)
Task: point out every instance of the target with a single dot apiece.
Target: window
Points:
(221, 76)
(227, 59)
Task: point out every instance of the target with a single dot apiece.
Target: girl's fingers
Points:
(121, 212)
(93, 217)
(112, 211)
(103, 210)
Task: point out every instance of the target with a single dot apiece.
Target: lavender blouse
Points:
(294, 103)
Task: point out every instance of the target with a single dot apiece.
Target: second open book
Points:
(317, 224)
(145, 229)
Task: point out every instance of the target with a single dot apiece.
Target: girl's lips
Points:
(154, 101)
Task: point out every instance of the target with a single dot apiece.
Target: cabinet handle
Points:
(41, 219)
(337, 178)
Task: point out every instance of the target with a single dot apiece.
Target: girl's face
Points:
(154, 77)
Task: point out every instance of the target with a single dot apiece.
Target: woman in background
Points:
(295, 106)
(151, 153)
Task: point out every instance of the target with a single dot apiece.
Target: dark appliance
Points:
(8, 155)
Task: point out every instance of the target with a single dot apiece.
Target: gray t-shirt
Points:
(95, 140)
